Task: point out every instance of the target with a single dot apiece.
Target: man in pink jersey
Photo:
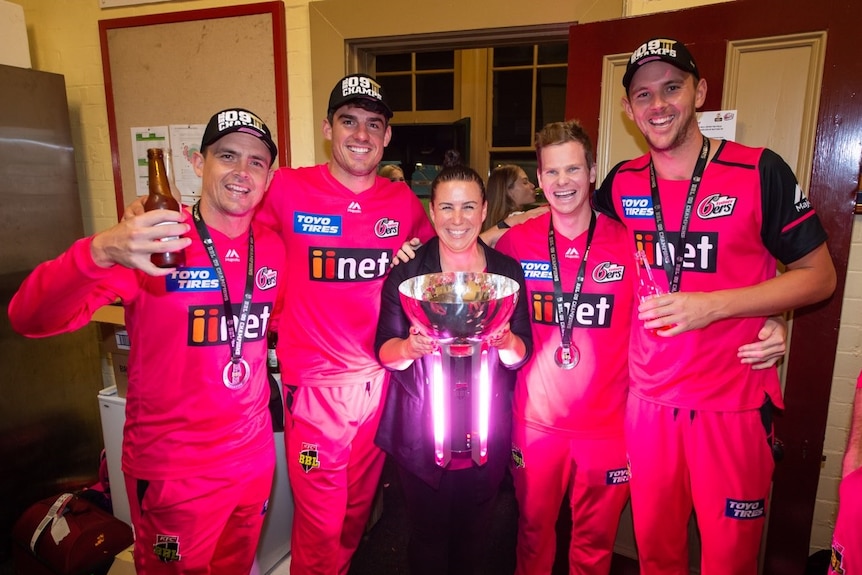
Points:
(341, 225)
(198, 454)
(713, 218)
(847, 538)
(570, 396)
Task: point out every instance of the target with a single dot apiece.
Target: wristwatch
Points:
(503, 225)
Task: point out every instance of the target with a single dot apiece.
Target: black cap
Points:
(358, 87)
(238, 120)
(664, 49)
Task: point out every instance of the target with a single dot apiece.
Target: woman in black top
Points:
(448, 509)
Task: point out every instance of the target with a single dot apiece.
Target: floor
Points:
(383, 549)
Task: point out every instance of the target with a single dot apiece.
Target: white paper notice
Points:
(142, 140)
(720, 124)
(185, 141)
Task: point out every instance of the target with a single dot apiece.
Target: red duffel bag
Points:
(67, 535)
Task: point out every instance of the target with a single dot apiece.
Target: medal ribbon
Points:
(235, 333)
(674, 271)
(567, 321)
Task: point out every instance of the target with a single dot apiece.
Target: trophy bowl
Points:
(459, 305)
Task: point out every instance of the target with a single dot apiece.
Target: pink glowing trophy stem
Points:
(460, 310)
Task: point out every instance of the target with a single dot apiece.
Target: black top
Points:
(405, 430)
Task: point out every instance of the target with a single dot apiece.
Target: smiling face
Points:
(457, 213)
(358, 138)
(522, 191)
(234, 176)
(565, 176)
(662, 101)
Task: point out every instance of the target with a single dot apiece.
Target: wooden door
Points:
(836, 151)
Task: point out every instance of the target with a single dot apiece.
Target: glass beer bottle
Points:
(160, 197)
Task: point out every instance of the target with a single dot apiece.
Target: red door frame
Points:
(835, 169)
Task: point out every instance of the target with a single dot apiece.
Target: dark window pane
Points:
(557, 53)
(435, 91)
(513, 56)
(393, 63)
(399, 91)
(513, 93)
(551, 95)
(435, 60)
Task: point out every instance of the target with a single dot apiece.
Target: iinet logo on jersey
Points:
(207, 324)
(594, 310)
(699, 254)
(347, 264)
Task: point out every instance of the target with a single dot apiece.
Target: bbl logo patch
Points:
(167, 548)
(517, 457)
(836, 563)
(308, 457)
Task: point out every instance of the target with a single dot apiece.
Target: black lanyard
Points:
(674, 271)
(235, 334)
(567, 321)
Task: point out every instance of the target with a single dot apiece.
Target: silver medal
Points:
(236, 374)
(567, 356)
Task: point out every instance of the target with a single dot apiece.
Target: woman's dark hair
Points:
(454, 171)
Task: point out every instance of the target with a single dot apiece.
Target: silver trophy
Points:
(459, 310)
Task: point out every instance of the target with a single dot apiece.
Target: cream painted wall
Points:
(640, 7)
(64, 39)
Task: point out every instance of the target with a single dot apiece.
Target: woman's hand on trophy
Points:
(503, 338)
(418, 344)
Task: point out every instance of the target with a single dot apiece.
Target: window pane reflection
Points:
(399, 91)
(513, 56)
(435, 91)
(553, 53)
(551, 95)
(435, 60)
(513, 94)
(393, 63)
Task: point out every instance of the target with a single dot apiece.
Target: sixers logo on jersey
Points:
(266, 278)
(347, 264)
(715, 206)
(207, 324)
(594, 310)
(316, 224)
(608, 272)
(386, 228)
(537, 270)
(637, 206)
(700, 251)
